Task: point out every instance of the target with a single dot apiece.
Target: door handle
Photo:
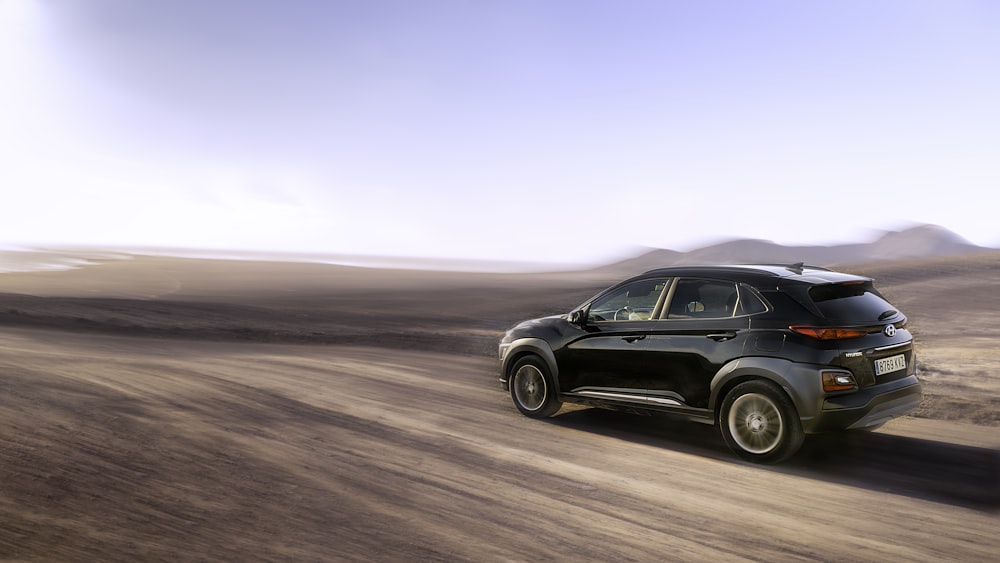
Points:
(631, 339)
(722, 336)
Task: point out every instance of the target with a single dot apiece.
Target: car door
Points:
(701, 327)
(609, 359)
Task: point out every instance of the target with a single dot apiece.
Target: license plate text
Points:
(890, 364)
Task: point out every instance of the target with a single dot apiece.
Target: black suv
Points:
(769, 353)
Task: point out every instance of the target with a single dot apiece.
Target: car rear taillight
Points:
(838, 381)
(825, 333)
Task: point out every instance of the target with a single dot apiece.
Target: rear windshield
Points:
(855, 303)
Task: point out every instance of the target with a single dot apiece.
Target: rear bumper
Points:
(871, 406)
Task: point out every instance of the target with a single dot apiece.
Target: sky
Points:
(543, 131)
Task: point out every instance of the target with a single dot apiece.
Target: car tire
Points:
(760, 423)
(531, 388)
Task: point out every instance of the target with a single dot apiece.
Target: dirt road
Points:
(118, 448)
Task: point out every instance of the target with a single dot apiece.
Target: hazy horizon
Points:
(62, 257)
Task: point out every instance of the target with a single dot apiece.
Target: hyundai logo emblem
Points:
(890, 330)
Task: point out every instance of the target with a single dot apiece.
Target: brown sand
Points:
(165, 409)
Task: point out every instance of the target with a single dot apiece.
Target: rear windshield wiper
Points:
(887, 314)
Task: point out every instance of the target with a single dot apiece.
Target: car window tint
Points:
(703, 299)
(750, 303)
(854, 302)
(635, 301)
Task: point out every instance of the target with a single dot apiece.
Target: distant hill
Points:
(924, 241)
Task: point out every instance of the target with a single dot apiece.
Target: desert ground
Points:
(156, 408)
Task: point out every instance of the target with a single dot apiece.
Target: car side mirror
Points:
(578, 317)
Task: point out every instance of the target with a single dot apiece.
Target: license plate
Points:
(890, 364)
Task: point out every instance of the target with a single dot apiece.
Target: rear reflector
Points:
(823, 333)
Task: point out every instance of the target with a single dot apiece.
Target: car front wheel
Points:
(531, 388)
(759, 422)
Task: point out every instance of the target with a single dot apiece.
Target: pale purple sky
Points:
(523, 130)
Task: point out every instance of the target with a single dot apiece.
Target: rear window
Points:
(855, 302)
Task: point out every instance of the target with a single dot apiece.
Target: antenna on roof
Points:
(796, 268)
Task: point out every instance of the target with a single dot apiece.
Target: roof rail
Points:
(797, 267)
(772, 268)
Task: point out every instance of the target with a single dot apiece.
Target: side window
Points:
(635, 301)
(704, 299)
(750, 303)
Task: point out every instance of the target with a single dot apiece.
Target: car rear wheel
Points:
(759, 422)
(531, 388)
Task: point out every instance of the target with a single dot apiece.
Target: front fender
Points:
(522, 346)
(802, 382)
